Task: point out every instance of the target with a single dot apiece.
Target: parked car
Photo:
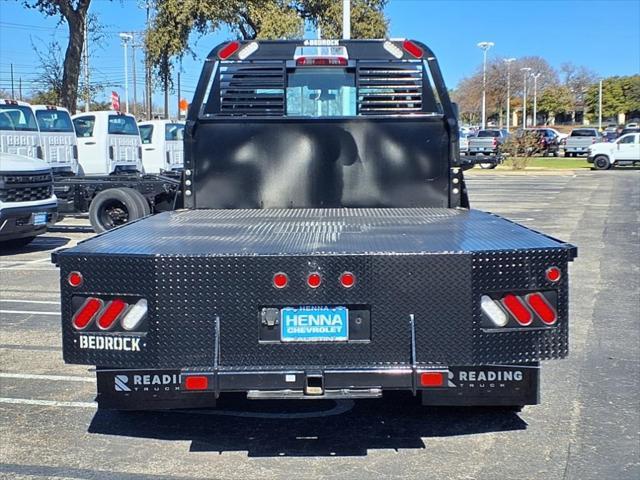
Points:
(629, 130)
(609, 136)
(624, 151)
(548, 142)
(632, 125)
(27, 201)
(58, 138)
(464, 143)
(162, 145)
(580, 140)
(487, 141)
(19, 132)
(108, 142)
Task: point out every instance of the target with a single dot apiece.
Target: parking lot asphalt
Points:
(586, 427)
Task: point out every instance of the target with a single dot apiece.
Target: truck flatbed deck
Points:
(317, 232)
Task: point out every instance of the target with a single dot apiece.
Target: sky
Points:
(603, 35)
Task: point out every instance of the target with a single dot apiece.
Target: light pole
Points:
(484, 46)
(525, 71)
(126, 38)
(509, 61)
(600, 105)
(535, 97)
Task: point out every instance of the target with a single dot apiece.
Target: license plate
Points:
(314, 324)
(39, 218)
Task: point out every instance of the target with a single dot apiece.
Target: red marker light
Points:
(314, 280)
(432, 379)
(111, 314)
(321, 61)
(553, 274)
(516, 308)
(83, 317)
(75, 279)
(347, 279)
(228, 50)
(412, 48)
(542, 308)
(196, 382)
(280, 280)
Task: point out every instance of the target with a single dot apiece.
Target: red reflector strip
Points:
(542, 308)
(111, 314)
(518, 309)
(412, 48)
(322, 61)
(196, 382)
(432, 379)
(228, 50)
(86, 313)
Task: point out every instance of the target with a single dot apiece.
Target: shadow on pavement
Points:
(271, 428)
(40, 244)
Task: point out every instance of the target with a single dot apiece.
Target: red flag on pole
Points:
(115, 101)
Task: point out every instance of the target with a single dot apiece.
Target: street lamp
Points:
(525, 71)
(484, 46)
(535, 97)
(509, 61)
(126, 38)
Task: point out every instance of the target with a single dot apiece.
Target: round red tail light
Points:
(314, 280)
(553, 274)
(75, 279)
(347, 279)
(280, 280)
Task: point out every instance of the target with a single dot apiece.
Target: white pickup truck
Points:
(579, 141)
(624, 151)
(27, 201)
(58, 138)
(162, 145)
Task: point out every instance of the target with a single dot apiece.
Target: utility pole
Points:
(179, 113)
(126, 38)
(600, 105)
(525, 71)
(484, 46)
(85, 56)
(13, 95)
(346, 19)
(147, 70)
(535, 98)
(133, 66)
(509, 61)
(20, 88)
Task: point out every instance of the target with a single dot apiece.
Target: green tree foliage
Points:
(556, 99)
(176, 20)
(619, 95)
(73, 12)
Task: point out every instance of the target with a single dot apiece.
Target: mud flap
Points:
(502, 385)
(147, 390)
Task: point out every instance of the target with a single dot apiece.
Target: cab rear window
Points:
(584, 133)
(54, 121)
(174, 132)
(488, 133)
(18, 118)
(122, 125)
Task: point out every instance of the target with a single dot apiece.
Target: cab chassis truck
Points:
(326, 249)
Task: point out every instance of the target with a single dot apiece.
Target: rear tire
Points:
(115, 207)
(488, 166)
(16, 243)
(601, 162)
(567, 154)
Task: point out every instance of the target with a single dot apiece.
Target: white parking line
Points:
(55, 378)
(48, 403)
(43, 302)
(30, 312)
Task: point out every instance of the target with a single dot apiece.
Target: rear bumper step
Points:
(343, 393)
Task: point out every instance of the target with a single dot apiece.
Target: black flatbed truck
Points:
(326, 249)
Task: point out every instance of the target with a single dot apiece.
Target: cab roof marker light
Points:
(135, 315)
(393, 49)
(248, 50)
(493, 311)
(412, 48)
(228, 50)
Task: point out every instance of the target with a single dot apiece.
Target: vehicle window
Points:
(321, 92)
(122, 125)
(174, 131)
(628, 139)
(146, 132)
(17, 118)
(584, 133)
(54, 121)
(488, 133)
(84, 126)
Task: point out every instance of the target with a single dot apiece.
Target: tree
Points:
(578, 79)
(175, 20)
(554, 100)
(50, 74)
(74, 13)
(619, 95)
